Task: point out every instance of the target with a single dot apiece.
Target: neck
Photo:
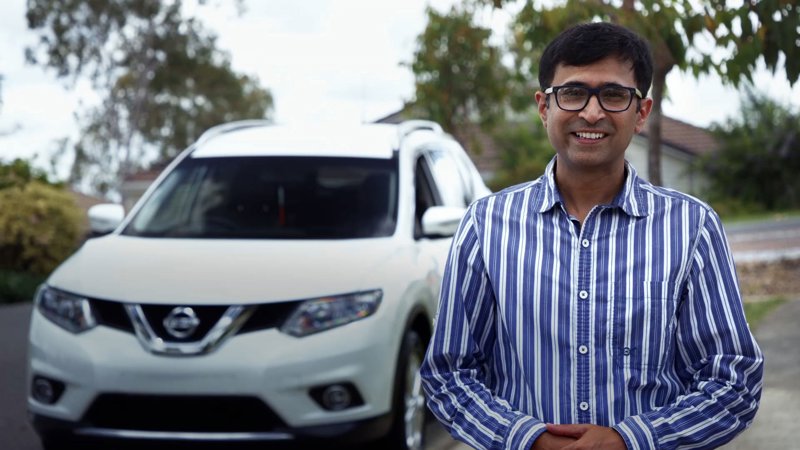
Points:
(583, 190)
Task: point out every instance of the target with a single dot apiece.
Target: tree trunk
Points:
(654, 128)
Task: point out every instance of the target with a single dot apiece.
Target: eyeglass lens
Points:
(612, 98)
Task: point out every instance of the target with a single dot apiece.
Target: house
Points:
(134, 186)
(681, 144)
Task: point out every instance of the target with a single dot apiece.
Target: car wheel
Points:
(58, 444)
(409, 410)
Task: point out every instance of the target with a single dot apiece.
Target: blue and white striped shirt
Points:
(633, 320)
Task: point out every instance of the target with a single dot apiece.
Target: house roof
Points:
(686, 137)
(85, 201)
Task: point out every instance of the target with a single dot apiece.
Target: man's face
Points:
(592, 139)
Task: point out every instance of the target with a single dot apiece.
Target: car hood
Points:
(148, 270)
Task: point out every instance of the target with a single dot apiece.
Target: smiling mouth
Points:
(592, 136)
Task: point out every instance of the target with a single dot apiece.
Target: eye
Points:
(615, 94)
(572, 92)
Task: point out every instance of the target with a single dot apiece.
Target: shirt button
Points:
(583, 294)
(585, 243)
(583, 406)
(583, 349)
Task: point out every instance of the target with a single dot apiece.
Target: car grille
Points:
(182, 413)
(112, 314)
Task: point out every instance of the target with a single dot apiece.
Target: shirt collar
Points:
(630, 199)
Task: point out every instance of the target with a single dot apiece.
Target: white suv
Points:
(273, 284)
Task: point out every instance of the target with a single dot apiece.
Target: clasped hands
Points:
(579, 437)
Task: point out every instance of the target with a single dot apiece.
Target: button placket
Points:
(584, 280)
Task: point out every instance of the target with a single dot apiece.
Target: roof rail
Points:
(232, 126)
(407, 127)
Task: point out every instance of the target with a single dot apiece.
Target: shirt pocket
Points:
(644, 327)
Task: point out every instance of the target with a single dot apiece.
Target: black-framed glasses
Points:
(612, 98)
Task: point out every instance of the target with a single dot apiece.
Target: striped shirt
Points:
(632, 320)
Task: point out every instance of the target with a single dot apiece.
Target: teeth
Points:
(583, 135)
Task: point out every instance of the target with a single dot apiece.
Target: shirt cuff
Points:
(523, 432)
(638, 433)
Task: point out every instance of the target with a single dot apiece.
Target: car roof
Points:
(261, 139)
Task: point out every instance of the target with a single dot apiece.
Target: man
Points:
(590, 298)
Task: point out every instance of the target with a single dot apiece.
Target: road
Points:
(15, 432)
(765, 240)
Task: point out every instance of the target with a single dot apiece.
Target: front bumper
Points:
(346, 433)
(268, 367)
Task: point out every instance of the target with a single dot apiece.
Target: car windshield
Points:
(272, 198)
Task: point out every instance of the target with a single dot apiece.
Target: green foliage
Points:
(734, 208)
(39, 227)
(524, 150)
(755, 31)
(162, 76)
(20, 172)
(18, 286)
(459, 76)
(759, 157)
(678, 32)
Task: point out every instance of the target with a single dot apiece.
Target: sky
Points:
(323, 60)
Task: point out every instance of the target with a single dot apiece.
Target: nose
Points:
(593, 112)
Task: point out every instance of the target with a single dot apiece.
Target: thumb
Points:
(568, 430)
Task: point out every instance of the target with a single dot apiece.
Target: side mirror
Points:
(441, 220)
(105, 217)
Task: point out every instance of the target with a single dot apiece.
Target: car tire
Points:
(58, 443)
(408, 402)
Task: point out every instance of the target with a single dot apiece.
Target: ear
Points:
(645, 106)
(541, 100)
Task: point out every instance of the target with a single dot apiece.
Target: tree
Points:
(684, 34)
(162, 80)
(524, 152)
(759, 157)
(459, 78)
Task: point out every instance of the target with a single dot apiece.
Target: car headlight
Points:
(324, 313)
(71, 312)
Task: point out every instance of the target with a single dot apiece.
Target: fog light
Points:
(46, 390)
(336, 397)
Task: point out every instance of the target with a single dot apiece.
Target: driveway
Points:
(775, 425)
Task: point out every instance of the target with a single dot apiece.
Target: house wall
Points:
(676, 167)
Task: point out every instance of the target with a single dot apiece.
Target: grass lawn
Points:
(757, 311)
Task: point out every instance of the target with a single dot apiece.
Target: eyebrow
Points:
(582, 84)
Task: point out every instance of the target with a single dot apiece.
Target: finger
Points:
(570, 430)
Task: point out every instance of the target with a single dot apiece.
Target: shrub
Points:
(18, 287)
(39, 227)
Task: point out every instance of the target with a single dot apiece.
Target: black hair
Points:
(588, 43)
